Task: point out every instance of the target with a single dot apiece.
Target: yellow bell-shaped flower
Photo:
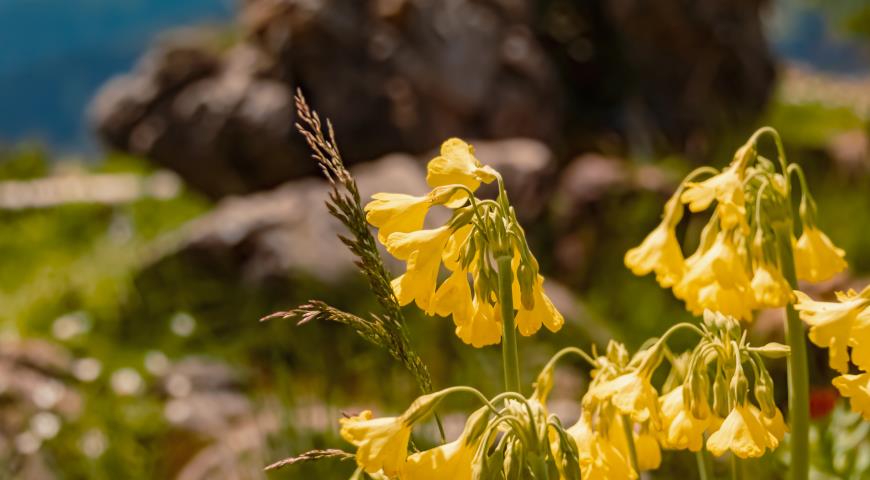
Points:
(770, 288)
(743, 434)
(681, 430)
(458, 165)
(485, 325)
(857, 389)
(816, 257)
(382, 443)
(599, 458)
(397, 212)
(422, 249)
(659, 252)
(452, 460)
(632, 394)
(831, 323)
(726, 188)
(453, 297)
(542, 313)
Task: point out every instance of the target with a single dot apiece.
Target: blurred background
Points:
(155, 202)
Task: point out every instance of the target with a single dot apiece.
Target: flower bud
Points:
(698, 386)
(773, 350)
(739, 386)
(526, 279)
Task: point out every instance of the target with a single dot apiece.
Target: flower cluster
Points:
(468, 246)
(624, 419)
(739, 264)
(839, 326)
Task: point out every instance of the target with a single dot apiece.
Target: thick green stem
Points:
(510, 358)
(798, 374)
(704, 472)
(629, 440)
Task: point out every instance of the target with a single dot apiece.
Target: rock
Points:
(289, 229)
(402, 75)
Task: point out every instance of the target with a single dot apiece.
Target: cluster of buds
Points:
(481, 240)
(748, 248)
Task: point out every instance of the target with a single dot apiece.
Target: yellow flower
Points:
(771, 289)
(775, 425)
(450, 256)
(816, 257)
(716, 279)
(382, 443)
(726, 188)
(857, 389)
(452, 460)
(680, 429)
(659, 252)
(396, 212)
(859, 340)
(422, 249)
(632, 394)
(831, 323)
(458, 165)
(453, 297)
(743, 434)
(649, 453)
(485, 325)
(543, 312)
(599, 458)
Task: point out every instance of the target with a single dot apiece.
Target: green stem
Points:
(510, 358)
(629, 440)
(704, 472)
(798, 374)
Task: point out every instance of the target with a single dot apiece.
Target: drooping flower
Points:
(816, 257)
(422, 250)
(659, 252)
(382, 443)
(543, 311)
(599, 458)
(716, 279)
(771, 289)
(680, 428)
(485, 325)
(452, 460)
(726, 188)
(832, 323)
(632, 394)
(458, 165)
(774, 424)
(743, 434)
(857, 389)
(397, 212)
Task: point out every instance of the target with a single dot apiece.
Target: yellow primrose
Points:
(632, 394)
(599, 458)
(680, 428)
(543, 312)
(453, 297)
(775, 425)
(458, 165)
(396, 212)
(816, 257)
(771, 289)
(452, 460)
(382, 443)
(859, 340)
(485, 325)
(831, 323)
(659, 252)
(857, 389)
(726, 188)
(422, 249)
(647, 448)
(743, 434)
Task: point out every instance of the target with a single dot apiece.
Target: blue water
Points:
(54, 55)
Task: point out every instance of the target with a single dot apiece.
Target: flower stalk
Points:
(510, 357)
(627, 426)
(798, 374)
